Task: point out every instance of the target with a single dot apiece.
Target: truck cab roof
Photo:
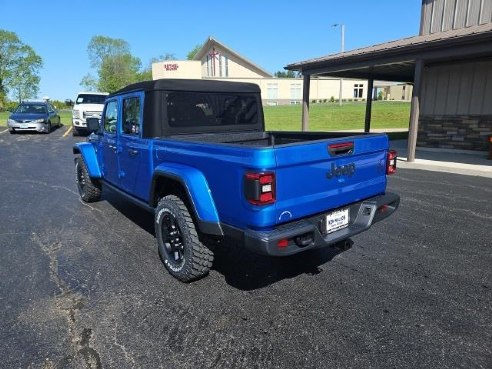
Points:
(190, 85)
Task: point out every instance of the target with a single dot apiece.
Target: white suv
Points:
(87, 104)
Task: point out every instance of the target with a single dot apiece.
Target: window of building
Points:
(131, 116)
(358, 90)
(272, 91)
(295, 91)
(224, 66)
(111, 117)
(217, 64)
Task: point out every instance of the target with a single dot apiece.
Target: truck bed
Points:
(262, 139)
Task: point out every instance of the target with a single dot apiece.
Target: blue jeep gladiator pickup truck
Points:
(196, 154)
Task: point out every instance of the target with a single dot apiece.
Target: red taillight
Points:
(259, 188)
(391, 162)
(284, 242)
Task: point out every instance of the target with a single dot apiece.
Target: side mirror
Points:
(93, 124)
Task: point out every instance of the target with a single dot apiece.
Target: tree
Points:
(287, 74)
(118, 71)
(19, 67)
(193, 52)
(101, 47)
(116, 67)
(89, 82)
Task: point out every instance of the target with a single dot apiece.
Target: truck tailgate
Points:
(318, 176)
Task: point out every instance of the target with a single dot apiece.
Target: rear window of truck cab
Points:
(195, 109)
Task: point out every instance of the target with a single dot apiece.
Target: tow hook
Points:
(304, 240)
(343, 245)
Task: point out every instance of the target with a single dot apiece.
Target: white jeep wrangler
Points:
(87, 104)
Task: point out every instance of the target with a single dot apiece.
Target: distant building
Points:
(217, 61)
(450, 65)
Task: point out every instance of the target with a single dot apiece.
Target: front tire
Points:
(48, 128)
(180, 249)
(89, 190)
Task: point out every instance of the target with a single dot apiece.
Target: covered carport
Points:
(398, 61)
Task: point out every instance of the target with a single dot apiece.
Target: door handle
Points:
(132, 152)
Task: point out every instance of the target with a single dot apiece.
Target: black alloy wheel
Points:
(89, 190)
(182, 253)
(173, 240)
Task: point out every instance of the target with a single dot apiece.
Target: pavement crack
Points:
(128, 356)
(55, 187)
(69, 303)
(91, 357)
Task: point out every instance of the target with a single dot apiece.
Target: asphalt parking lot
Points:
(82, 286)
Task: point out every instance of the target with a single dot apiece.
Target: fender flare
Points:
(88, 154)
(199, 195)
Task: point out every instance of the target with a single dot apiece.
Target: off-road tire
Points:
(89, 189)
(75, 132)
(180, 249)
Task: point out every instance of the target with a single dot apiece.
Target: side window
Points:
(131, 116)
(111, 117)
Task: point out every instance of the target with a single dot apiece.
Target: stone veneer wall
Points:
(455, 132)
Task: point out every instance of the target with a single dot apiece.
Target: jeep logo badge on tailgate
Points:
(344, 170)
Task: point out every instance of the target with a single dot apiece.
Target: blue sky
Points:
(271, 33)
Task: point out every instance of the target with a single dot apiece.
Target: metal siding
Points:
(437, 16)
(453, 92)
(487, 95)
(426, 17)
(447, 20)
(429, 91)
(442, 84)
(457, 89)
(460, 14)
(478, 89)
(465, 91)
(486, 13)
(473, 12)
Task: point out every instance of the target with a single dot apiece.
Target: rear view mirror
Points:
(92, 124)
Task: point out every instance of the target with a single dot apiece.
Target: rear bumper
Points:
(307, 234)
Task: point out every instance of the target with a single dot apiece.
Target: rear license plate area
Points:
(336, 220)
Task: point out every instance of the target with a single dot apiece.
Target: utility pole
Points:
(342, 34)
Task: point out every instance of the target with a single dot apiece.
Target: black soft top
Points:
(156, 115)
(190, 85)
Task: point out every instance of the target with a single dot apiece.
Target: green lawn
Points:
(323, 117)
(65, 117)
(331, 117)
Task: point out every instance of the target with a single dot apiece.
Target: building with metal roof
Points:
(449, 64)
(217, 61)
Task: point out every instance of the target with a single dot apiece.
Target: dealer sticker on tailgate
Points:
(337, 220)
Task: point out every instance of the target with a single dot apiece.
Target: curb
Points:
(447, 167)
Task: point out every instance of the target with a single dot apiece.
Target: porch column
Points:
(370, 87)
(415, 111)
(305, 102)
